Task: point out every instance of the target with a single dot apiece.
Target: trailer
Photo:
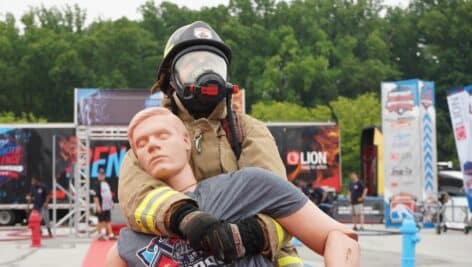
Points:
(49, 152)
(311, 152)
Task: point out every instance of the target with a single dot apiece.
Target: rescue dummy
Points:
(223, 206)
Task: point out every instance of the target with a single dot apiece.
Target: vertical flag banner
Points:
(409, 152)
(467, 168)
(461, 119)
(428, 137)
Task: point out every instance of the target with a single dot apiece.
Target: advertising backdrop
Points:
(311, 152)
(409, 131)
(111, 107)
(107, 154)
(459, 103)
(27, 152)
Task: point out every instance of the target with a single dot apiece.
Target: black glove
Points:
(188, 222)
(229, 242)
(226, 241)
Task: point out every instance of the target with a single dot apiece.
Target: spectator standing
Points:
(103, 204)
(39, 195)
(356, 196)
(443, 199)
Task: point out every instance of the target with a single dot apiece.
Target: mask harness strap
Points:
(232, 123)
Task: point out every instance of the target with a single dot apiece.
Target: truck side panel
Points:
(311, 152)
(28, 151)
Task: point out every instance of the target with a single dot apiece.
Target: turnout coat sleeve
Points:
(146, 202)
(260, 150)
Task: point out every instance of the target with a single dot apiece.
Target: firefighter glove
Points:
(229, 242)
(188, 222)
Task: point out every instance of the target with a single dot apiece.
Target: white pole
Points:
(54, 185)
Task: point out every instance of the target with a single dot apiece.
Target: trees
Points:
(297, 55)
(9, 117)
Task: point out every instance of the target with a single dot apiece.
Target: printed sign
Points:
(107, 154)
(428, 140)
(107, 107)
(28, 152)
(373, 208)
(311, 153)
(12, 158)
(409, 128)
(459, 103)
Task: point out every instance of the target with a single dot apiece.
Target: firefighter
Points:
(193, 76)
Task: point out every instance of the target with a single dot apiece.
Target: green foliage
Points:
(285, 111)
(9, 117)
(353, 115)
(299, 59)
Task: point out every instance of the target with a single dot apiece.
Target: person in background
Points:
(103, 199)
(443, 199)
(39, 195)
(356, 196)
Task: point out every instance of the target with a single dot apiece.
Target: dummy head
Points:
(160, 142)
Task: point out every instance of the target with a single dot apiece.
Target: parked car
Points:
(451, 181)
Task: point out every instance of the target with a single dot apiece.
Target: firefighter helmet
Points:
(198, 35)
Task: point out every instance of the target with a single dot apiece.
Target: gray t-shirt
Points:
(229, 197)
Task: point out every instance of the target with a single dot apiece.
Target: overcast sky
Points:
(108, 9)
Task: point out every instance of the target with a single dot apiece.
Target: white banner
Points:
(428, 141)
(459, 108)
(457, 100)
(409, 131)
(400, 127)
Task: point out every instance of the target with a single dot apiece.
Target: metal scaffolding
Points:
(80, 189)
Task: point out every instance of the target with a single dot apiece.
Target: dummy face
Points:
(161, 148)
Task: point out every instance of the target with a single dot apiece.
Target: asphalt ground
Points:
(379, 247)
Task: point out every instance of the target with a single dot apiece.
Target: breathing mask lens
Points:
(191, 66)
(200, 80)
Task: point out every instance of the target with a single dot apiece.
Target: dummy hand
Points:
(229, 242)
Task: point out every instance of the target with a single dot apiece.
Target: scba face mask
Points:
(200, 78)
